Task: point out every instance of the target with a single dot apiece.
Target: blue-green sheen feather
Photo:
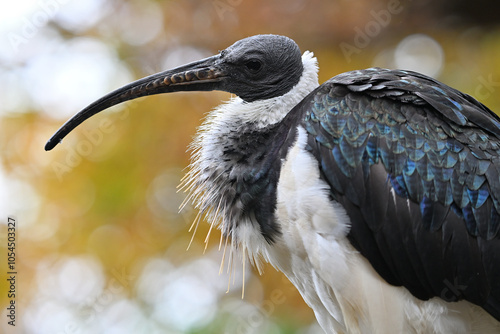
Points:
(419, 147)
(416, 165)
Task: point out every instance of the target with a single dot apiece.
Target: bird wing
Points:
(416, 165)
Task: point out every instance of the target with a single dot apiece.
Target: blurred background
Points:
(100, 243)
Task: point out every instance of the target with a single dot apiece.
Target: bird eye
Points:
(253, 65)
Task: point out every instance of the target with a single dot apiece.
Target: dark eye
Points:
(253, 65)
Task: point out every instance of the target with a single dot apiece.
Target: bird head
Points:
(255, 68)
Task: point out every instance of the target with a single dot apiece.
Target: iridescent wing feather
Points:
(416, 165)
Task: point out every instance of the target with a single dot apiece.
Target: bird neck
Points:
(236, 157)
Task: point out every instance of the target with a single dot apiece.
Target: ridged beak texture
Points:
(202, 75)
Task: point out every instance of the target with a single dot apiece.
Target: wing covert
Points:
(416, 165)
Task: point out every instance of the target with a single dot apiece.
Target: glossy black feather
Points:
(254, 173)
(416, 165)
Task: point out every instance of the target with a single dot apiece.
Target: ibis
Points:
(377, 193)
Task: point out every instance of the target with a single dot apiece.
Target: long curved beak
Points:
(201, 75)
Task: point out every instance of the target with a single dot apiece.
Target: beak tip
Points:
(50, 144)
